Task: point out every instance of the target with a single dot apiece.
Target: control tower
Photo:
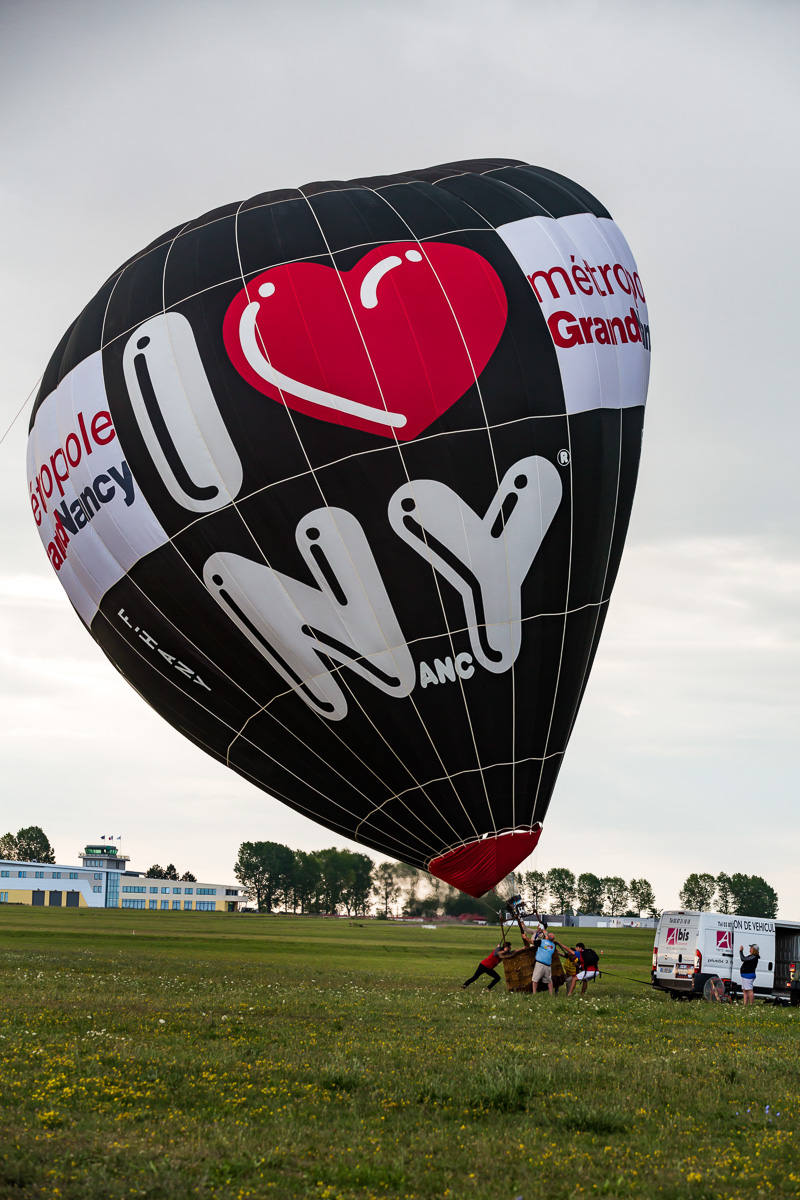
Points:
(104, 858)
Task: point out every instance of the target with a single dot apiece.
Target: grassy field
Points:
(166, 1055)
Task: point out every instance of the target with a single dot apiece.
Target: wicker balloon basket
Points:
(518, 971)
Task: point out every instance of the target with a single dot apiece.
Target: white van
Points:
(691, 947)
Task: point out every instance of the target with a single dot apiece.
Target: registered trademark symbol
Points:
(563, 458)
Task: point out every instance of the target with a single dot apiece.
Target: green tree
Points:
(642, 898)
(724, 893)
(306, 875)
(333, 878)
(753, 896)
(385, 885)
(697, 892)
(263, 869)
(421, 899)
(8, 847)
(561, 885)
(615, 891)
(590, 892)
(155, 872)
(534, 890)
(356, 881)
(188, 877)
(171, 872)
(33, 845)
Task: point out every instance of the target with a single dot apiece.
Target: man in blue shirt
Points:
(545, 948)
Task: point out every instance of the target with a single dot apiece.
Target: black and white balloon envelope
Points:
(339, 478)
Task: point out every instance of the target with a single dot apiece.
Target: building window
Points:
(154, 890)
(176, 903)
(3, 897)
(134, 889)
(22, 874)
(188, 891)
(152, 904)
(165, 889)
(73, 874)
(165, 903)
(98, 875)
(112, 891)
(187, 904)
(5, 874)
(231, 891)
(38, 874)
(206, 891)
(56, 874)
(176, 891)
(206, 906)
(133, 903)
(97, 887)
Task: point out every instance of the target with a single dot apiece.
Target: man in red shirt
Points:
(486, 965)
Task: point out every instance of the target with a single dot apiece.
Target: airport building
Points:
(586, 921)
(104, 881)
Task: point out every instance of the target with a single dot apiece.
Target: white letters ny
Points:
(348, 617)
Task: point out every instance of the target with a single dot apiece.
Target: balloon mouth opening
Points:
(478, 866)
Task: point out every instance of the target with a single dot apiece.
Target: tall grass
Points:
(235, 1057)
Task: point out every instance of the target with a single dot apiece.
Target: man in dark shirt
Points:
(748, 972)
(588, 967)
(486, 965)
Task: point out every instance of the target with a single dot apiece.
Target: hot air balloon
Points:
(339, 479)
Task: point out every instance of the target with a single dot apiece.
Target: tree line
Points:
(276, 877)
(749, 895)
(560, 891)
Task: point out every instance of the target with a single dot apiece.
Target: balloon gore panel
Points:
(339, 479)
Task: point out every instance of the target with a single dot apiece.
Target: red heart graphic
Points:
(386, 347)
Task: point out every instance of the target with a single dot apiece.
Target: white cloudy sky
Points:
(120, 120)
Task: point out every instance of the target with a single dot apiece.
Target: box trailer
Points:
(692, 947)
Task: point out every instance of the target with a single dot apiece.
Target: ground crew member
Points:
(748, 973)
(576, 963)
(588, 967)
(486, 965)
(545, 948)
(570, 966)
